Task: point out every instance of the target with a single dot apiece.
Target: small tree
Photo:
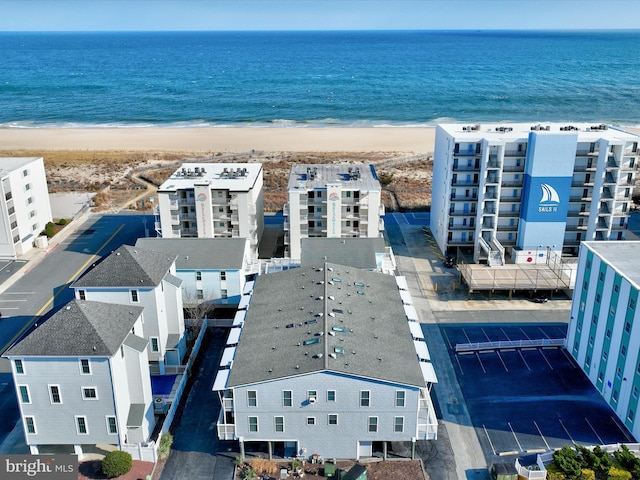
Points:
(50, 229)
(618, 474)
(567, 462)
(116, 463)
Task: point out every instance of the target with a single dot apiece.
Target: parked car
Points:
(450, 261)
(540, 299)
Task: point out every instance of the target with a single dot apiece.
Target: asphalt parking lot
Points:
(529, 400)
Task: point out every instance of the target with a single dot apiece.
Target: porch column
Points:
(384, 450)
(413, 449)
(34, 449)
(77, 449)
(270, 446)
(241, 448)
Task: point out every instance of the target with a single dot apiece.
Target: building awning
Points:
(248, 287)
(227, 356)
(402, 283)
(238, 320)
(220, 383)
(406, 297)
(428, 372)
(244, 301)
(422, 350)
(411, 313)
(416, 330)
(234, 336)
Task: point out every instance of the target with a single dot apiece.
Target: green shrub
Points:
(618, 474)
(587, 474)
(567, 461)
(116, 463)
(49, 229)
(165, 445)
(62, 221)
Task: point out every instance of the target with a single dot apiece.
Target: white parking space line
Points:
(489, 438)
(16, 300)
(525, 334)
(541, 435)
(459, 365)
(617, 423)
(18, 293)
(467, 336)
(566, 431)
(505, 334)
(525, 362)
(10, 308)
(447, 338)
(514, 436)
(544, 334)
(503, 364)
(481, 364)
(593, 430)
(545, 359)
(485, 334)
(569, 358)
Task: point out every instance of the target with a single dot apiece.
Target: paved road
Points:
(41, 286)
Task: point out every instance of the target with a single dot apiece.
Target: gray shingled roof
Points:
(355, 316)
(354, 252)
(128, 267)
(80, 328)
(200, 253)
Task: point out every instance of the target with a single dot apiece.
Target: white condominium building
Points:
(211, 200)
(604, 330)
(528, 190)
(334, 201)
(25, 209)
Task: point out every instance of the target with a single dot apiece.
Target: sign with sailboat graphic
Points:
(546, 199)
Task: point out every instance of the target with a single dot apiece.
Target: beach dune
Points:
(223, 139)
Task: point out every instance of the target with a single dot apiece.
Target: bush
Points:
(50, 229)
(618, 474)
(165, 445)
(587, 474)
(62, 221)
(116, 463)
(567, 462)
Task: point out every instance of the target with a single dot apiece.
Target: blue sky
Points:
(110, 15)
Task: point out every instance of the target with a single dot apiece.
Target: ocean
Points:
(397, 78)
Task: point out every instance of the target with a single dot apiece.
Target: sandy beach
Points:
(223, 139)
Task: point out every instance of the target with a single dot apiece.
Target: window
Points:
(312, 394)
(24, 393)
(25, 172)
(601, 277)
(365, 398)
(155, 346)
(32, 213)
(134, 296)
(614, 395)
(253, 424)
(630, 415)
(373, 424)
(616, 288)
(608, 333)
(198, 276)
(82, 295)
(398, 424)
(11, 210)
(54, 394)
(331, 395)
(332, 419)
(27, 187)
(311, 420)
(287, 400)
(252, 398)
(200, 294)
(223, 275)
(19, 367)
(623, 350)
(30, 425)
(627, 327)
(279, 424)
(85, 367)
(635, 391)
(400, 396)
(604, 356)
(597, 298)
(112, 427)
(81, 425)
(632, 303)
(89, 393)
(223, 293)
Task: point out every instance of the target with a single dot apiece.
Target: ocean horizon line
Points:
(316, 31)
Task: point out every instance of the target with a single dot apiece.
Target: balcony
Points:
(173, 204)
(509, 198)
(509, 213)
(609, 179)
(175, 219)
(508, 228)
(512, 183)
(466, 168)
(493, 162)
(462, 227)
(427, 421)
(488, 225)
(458, 198)
(459, 242)
(465, 183)
(226, 431)
(493, 178)
(462, 213)
(612, 163)
(513, 168)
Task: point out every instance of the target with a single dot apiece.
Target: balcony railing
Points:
(226, 431)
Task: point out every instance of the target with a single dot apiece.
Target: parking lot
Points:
(528, 400)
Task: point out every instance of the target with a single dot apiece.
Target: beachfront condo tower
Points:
(24, 206)
(604, 330)
(524, 192)
(331, 200)
(212, 200)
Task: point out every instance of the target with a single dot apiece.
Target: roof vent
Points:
(333, 355)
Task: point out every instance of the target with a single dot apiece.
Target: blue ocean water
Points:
(317, 78)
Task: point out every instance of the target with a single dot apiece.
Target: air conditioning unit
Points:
(312, 399)
(159, 404)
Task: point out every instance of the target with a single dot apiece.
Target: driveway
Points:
(196, 453)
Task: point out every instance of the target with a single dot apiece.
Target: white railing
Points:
(527, 473)
(147, 452)
(504, 344)
(427, 421)
(226, 431)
